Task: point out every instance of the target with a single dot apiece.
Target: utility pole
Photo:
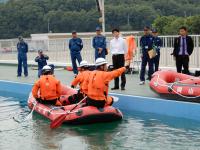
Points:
(128, 20)
(101, 9)
(48, 26)
(103, 17)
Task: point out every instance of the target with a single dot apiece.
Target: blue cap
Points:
(74, 31)
(40, 51)
(154, 30)
(98, 28)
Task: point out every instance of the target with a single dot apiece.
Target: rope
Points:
(170, 87)
(54, 108)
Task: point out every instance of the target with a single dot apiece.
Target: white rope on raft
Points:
(165, 85)
(43, 109)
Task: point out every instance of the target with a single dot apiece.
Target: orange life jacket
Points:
(47, 87)
(82, 80)
(99, 83)
(130, 40)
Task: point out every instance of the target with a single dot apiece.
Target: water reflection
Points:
(93, 136)
(136, 131)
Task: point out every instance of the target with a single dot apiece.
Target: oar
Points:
(60, 119)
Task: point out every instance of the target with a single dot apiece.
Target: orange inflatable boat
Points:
(176, 85)
(81, 115)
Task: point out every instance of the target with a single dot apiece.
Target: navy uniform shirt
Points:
(22, 47)
(42, 61)
(75, 45)
(99, 41)
(146, 43)
(157, 42)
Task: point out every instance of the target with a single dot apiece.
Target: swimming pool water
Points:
(136, 131)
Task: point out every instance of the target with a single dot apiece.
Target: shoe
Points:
(142, 83)
(148, 79)
(122, 88)
(75, 75)
(115, 88)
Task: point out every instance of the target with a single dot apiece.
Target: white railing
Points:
(58, 51)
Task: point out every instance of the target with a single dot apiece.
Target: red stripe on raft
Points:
(171, 82)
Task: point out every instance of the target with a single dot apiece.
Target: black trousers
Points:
(182, 61)
(96, 103)
(73, 99)
(47, 102)
(118, 62)
(156, 61)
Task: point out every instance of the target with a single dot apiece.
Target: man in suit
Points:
(183, 48)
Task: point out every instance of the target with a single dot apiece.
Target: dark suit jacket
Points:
(190, 45)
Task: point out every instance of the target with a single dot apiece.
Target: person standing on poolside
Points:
(75, 46)
(118, 48)
(157, 44)
(22, 49)
(183, 48)
(99, 44)
(146, 44)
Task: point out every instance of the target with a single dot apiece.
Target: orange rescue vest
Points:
(82, 79)
(48, 86)
(130, 40)
(99, 83)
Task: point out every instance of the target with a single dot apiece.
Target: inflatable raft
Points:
(176, 85)
(81, 115)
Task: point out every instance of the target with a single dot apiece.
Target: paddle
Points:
(60, 119)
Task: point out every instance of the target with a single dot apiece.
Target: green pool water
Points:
(137, 131)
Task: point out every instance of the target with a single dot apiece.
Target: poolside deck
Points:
(132, 87)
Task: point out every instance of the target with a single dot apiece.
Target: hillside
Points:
(33, 16)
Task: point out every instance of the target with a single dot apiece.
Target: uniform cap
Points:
(98, 28)
(20, 37)
(154, 30)
(40, 51)
(74, 31)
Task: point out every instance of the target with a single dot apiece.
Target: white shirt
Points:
(118, 46)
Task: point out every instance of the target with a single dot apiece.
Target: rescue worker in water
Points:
(82, 80)
(99, 83)
(47, 90)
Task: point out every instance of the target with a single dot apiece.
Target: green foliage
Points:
(23, 17)
(171, 24)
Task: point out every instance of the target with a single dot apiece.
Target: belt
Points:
(117, 54)
(40, 99)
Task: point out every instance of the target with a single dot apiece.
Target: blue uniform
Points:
(146, 43)
(75, 46)
(22, 49)
(157, 44)
(42, 61)
(99, 41)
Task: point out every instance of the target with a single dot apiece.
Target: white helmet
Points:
(100, 61)
(46, 69)
(83, 63)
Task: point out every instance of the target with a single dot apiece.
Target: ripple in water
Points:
(136, 131)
